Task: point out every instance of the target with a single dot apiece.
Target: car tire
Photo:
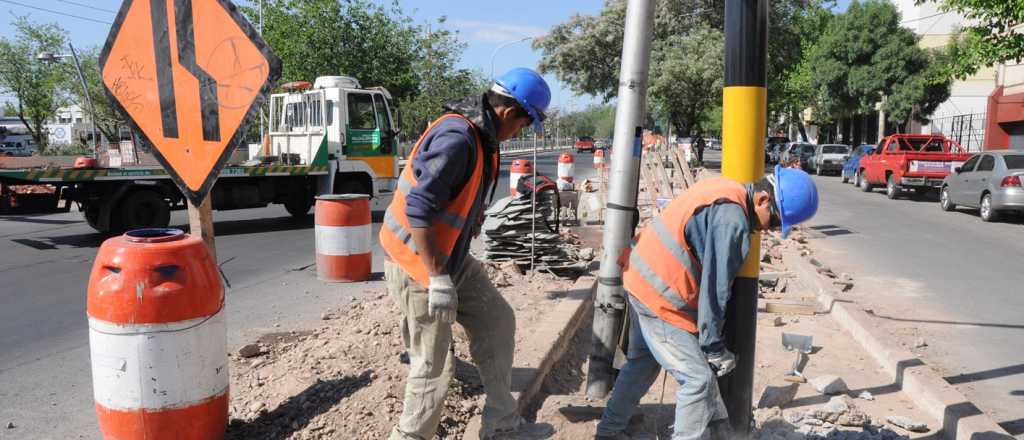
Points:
(944, 201)
(862, 182)
(892, 191)
(843, 176)
(817, 170)
(985, 210)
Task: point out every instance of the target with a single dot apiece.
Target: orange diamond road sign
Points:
(188, 75)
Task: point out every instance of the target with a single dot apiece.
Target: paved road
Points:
(45, 261)
(944, 276)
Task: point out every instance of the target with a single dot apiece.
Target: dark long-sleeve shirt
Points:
(719, 236)
(443, 166)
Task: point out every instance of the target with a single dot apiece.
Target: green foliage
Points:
(34, 83)
(108, 120)
(379, 45)
(686, 77)
(585, 51)
(863, 55)
(991, 41)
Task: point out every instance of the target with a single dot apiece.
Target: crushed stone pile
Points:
(838, 419)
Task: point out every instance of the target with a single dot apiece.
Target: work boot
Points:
(523, 430)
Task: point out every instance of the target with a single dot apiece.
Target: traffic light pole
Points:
(744, 120)
(622, 190)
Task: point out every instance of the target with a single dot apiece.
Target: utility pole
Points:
(744, 108)
(622, 191)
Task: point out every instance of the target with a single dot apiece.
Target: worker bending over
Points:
(678, 277)
(442, 192)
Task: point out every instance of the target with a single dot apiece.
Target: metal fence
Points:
(513, 146)
(968, 129)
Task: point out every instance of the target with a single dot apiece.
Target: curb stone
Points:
(549, 340)
(960, 419)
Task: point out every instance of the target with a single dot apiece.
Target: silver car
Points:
(990, 181)
(829, 158)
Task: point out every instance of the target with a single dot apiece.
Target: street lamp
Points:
(50, 56)
(496, 49)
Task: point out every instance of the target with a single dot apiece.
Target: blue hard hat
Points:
(796, 197)
(530, 91)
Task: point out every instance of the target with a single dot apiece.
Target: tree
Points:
(864, 55)
(108, 120)
(687, 76)
(991, 40)
(34, 83)
(585, 51)
(378, 45)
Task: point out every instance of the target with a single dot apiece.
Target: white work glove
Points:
(442, 301)
(722, 363)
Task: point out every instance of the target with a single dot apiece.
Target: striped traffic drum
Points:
(566, 169)
(157, 338)
(520, 168)
(343, 237)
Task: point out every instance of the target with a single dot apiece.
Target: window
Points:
(330, 111)
(835, 149)
(383, 119)
(969, 165)
(1014, 162)
(276, 116)
(988, 163)
(316, 117)
(360, 112)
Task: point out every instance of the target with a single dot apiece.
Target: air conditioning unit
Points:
(340, 81)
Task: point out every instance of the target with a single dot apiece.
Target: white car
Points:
(15, 149)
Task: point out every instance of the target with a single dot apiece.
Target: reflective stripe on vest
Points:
(446, 227)
(662, 271)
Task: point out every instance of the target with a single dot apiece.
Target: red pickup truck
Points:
(585, 143)
(905, 161)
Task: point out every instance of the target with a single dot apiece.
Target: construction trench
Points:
(344, 378)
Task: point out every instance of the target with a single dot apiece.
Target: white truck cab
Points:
(337, 125)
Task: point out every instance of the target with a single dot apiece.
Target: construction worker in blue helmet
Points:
(678, 277)
(442, 193)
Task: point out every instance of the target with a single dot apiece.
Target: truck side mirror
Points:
(956, 170)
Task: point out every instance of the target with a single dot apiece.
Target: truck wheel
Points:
(143, 209)
(351, 187)
(298, 205)
(91, 212)
(862, 182)
(944, 201)
(987, 213)
(891, 189)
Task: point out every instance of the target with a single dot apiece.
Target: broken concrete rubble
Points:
(829, 384)
(908, 423)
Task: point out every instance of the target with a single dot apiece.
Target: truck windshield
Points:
(1014, 162)
(835, 149)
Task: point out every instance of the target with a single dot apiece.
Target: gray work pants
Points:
(490, 324)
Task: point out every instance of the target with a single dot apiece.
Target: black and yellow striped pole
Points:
(744, 108)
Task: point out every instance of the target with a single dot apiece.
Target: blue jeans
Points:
(653, 344)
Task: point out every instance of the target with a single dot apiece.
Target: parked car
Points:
(829, 158)
(585, 143)
(905, 161)
(799, 153)
(851, 164)
(15, 149)
(602, 145)
(990, 181)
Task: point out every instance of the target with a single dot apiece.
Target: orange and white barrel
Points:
(520, 168)
(343, 237)
(566, 169)
(599, 159)
(157, 338)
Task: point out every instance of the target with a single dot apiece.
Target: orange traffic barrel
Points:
(343, 243)
(84, 162)
(157, 338)
(520, 168)
(566, 169)
(599, 159)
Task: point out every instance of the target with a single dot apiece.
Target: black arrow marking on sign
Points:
(164, 76)
(187, 58)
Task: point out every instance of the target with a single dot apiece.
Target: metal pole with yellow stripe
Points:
(744, 108)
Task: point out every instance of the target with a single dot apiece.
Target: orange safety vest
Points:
(395, 237)
(661, 270)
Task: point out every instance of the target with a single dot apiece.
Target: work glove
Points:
(442, 300)
(723, 363)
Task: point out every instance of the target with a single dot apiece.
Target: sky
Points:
(483, 25)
